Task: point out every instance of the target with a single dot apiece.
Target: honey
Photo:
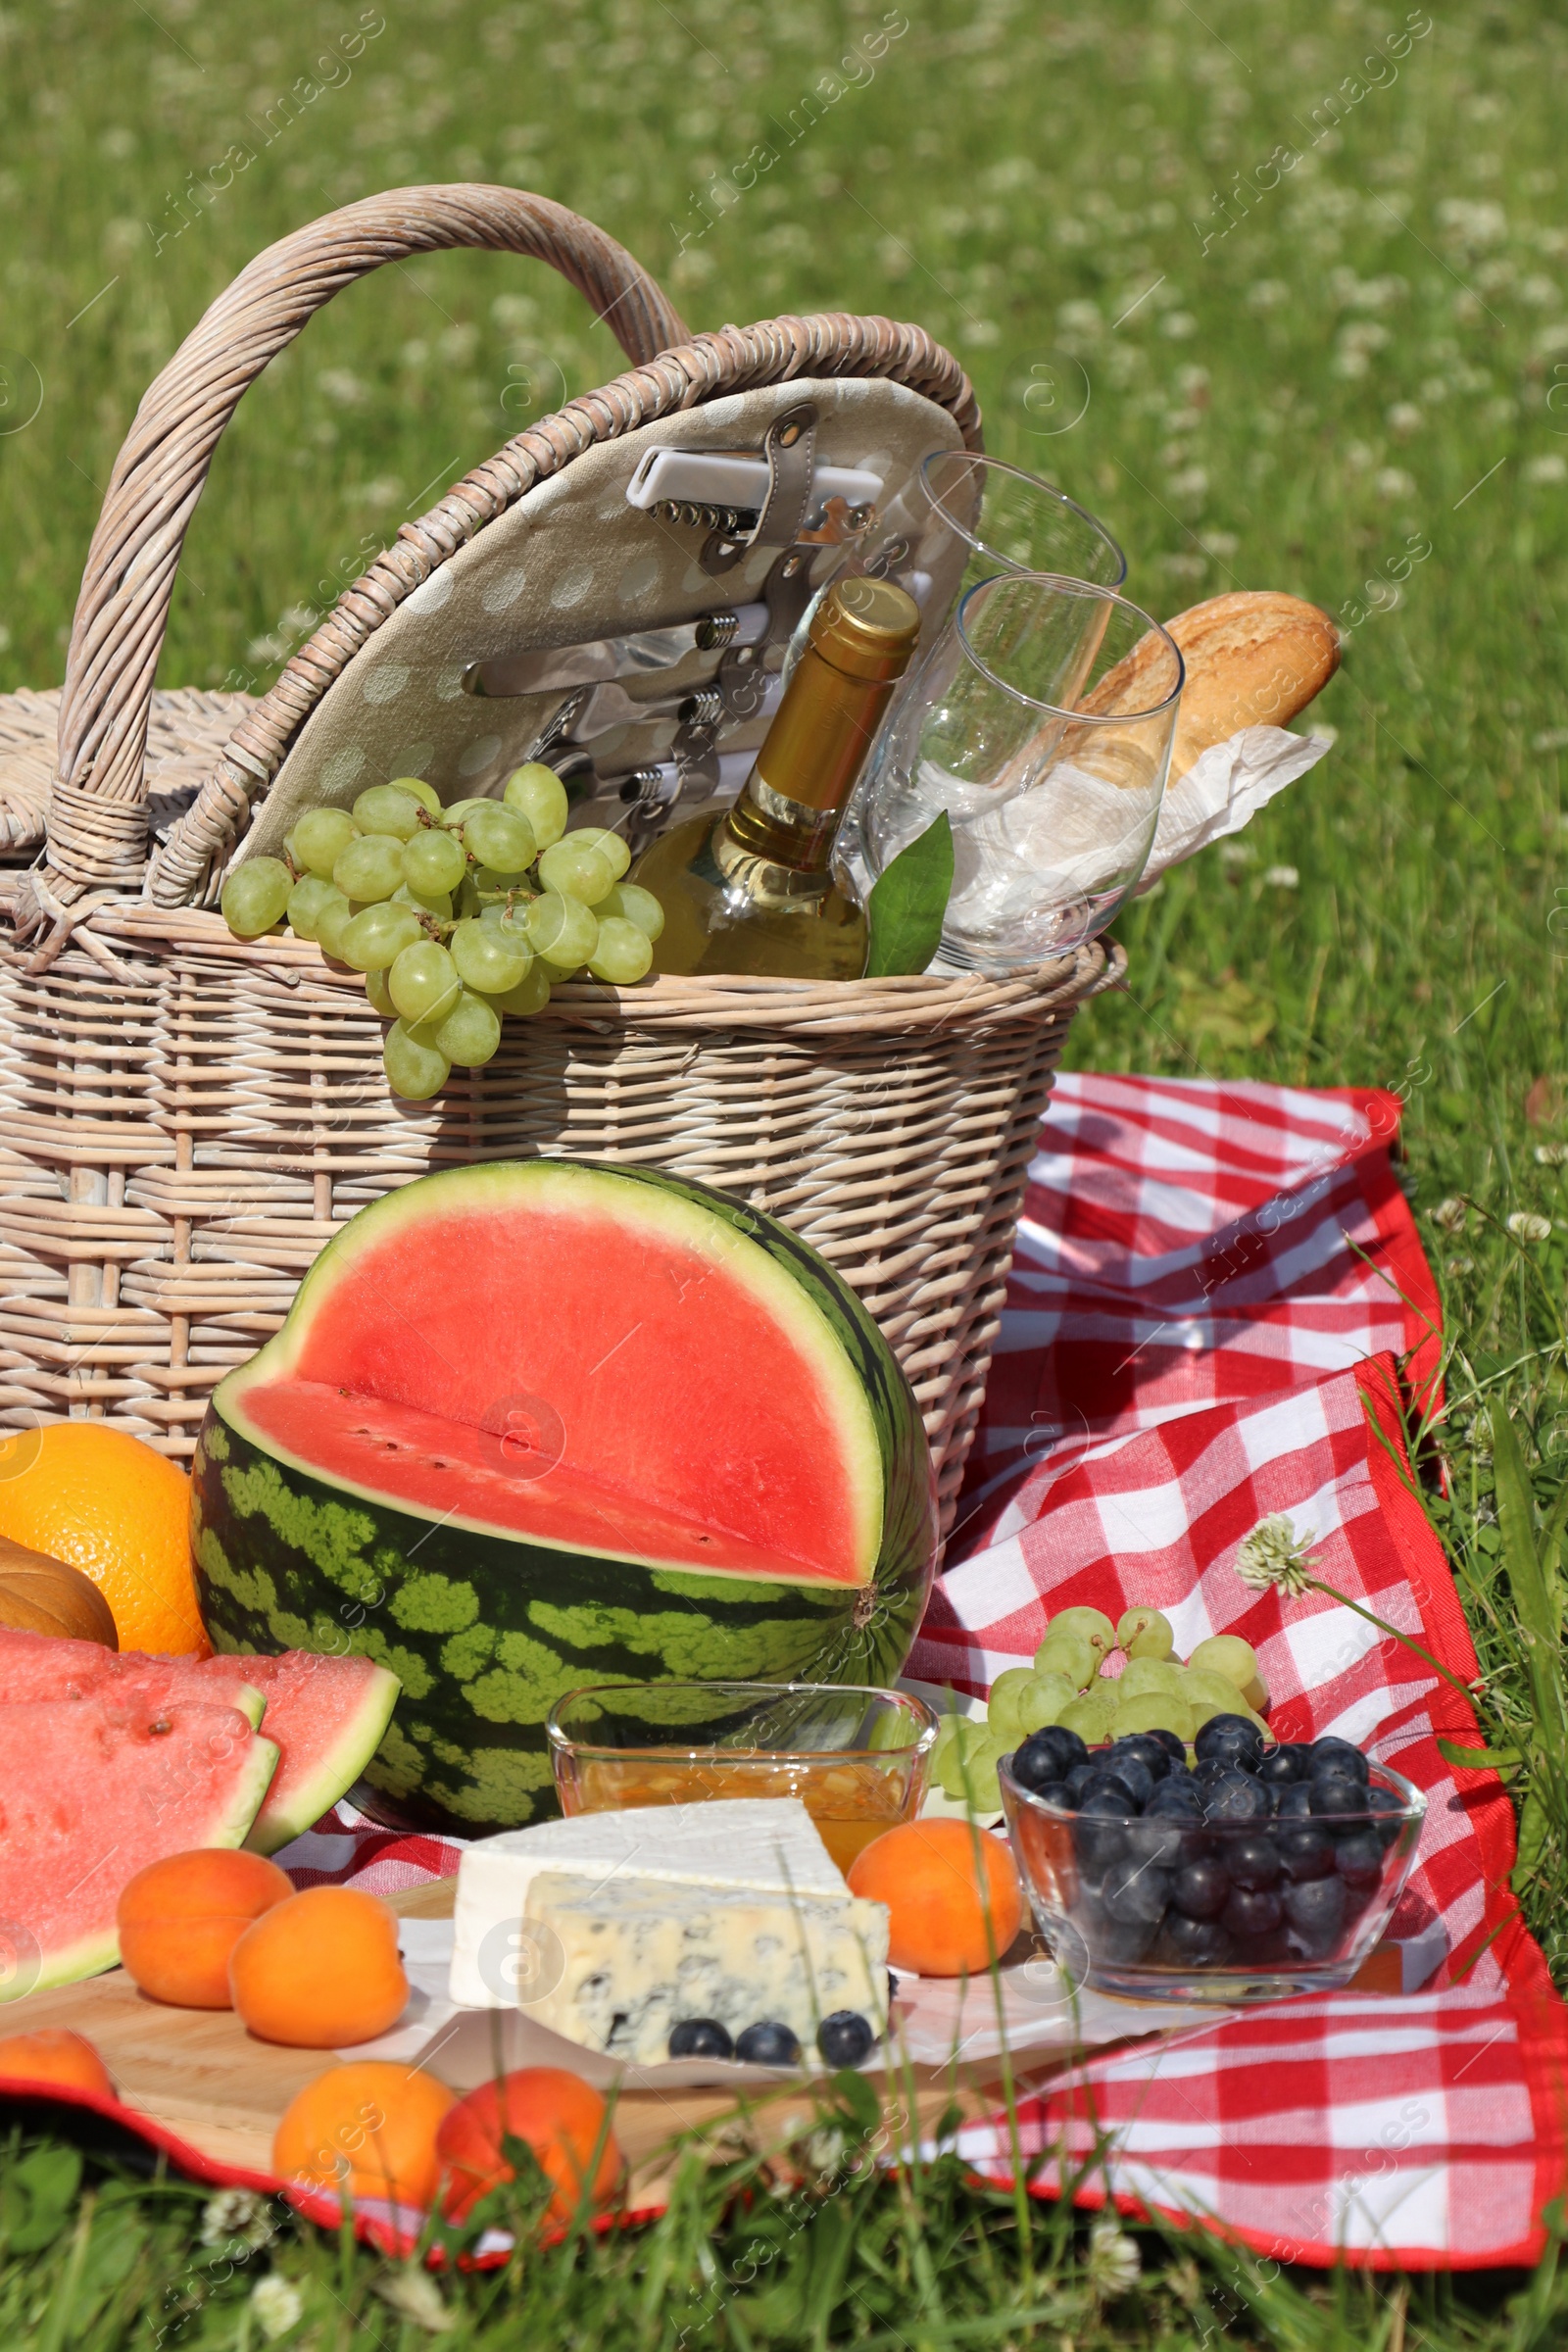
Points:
(850, 1800)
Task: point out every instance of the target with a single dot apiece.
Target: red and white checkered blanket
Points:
(1214, 1292)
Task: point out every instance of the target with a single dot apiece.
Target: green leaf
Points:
(1502, 1759)
(36, 2196)
(1534, 1825)
(1532, 1598)
(907, 903)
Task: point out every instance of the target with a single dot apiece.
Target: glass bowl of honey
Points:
(854, 1755)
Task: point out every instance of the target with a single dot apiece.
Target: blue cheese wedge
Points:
(756, 1845)
(630, 1958)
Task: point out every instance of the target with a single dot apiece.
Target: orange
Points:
(366, 2129)
(940, 1879)
(319, 1971)
(54, 2055)
(181, 1919)
(102, 1500)
(559, 2116)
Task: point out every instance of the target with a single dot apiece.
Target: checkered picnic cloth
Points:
(1214, 1292)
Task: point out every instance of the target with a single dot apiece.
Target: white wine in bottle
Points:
(749, 890)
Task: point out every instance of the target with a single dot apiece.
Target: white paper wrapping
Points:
(1225, 788)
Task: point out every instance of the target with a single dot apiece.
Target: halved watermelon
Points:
(324, 1715)
(90, 1793)
(538, 1424)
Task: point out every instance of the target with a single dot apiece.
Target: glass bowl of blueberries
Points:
(1256, 1869)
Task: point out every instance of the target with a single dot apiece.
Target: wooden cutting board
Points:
(202, 2078)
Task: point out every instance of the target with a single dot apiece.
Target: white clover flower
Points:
(1550, 468)
(1450, 1214)
(277, 2304)
(1391, 482)
(1526, 1226)
(1114, 2262)
(1272, 1554)
(1405, 417)
(1552, 1155)
(415, 2295)
(1282, 877)
(236, 2213)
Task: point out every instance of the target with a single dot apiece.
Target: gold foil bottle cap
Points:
(866, 628)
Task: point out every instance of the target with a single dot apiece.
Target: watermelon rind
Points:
(485, 1627)
(338, 1766)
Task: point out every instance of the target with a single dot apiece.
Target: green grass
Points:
(1366, 372)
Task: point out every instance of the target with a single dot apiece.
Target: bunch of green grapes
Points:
(1067, 1684)
(456, 916)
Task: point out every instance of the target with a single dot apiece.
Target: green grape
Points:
(1001, 1706)
(577, 872)
(470, 1030)
(1069, 1654)
(255, 895)
(425, 794)
(318, 837)
(537, 793)
(608, 844)
(622, 953)
(1225, 1654)
(414, 1070)
(530, 995)
(489, 880)
(378, 936)
(499, 838)
(1146, 1633)
(331, 924)
(1092, 1624)
(307, 901)
(424, 983)
(380, 996)
(1154, 1711)
(384, 809)
(455, 817)
(370, 867)
(488, 958)
(561, 930)
(1203, 1687)
(1091, 1716)
(1042, 1700)
(434, 860)
(969, 1764)
(631, 903)
(1148, 1674)
(510, 919)
(429, 901)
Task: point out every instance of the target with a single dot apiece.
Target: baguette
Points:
(1254, 659)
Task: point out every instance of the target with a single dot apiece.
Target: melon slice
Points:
(535, 1425)
(324, 1715)
(90, 1793)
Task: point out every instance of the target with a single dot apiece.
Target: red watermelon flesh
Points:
(325, 1716)
(93, 1791)
(611, 1382)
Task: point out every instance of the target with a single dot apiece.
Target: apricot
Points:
(365, 2130)
(560, 2117)
(55, 2055)
(319, 1971)
(940, 1879)
(181, 1919)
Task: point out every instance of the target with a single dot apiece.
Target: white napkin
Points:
(1224, 789)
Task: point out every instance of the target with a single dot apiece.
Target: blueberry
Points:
(844, 2037)
(768, 2044)
(1099, 1834)
(1054, 1793)
(1333, 1794)
(1251, 1911)
(1236, 1796)
(1132, 1891)
(1080, 1779)
(1295, 1802)
(1307, 1852)
(1337, 1755)
(1120, 1940)
(1174, 1745)
(700, 2037)
(1283, 1765)
(1055, 1746)
(1229, 1740)
(1139, 1747)
(1196, 1942)
(1317, 1912)
(1387, 1809)
(1253, 1862)
(1134, 1775)
(1167, 1832)
(1199, 1891)
(1359, 1858)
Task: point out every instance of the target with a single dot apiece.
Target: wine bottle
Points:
(750, 889)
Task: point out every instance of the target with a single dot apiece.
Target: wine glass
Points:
(966, 517)
(1042, 722)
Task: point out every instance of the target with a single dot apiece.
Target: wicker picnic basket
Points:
(185, 1119)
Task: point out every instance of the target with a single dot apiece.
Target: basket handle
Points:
(97, 820)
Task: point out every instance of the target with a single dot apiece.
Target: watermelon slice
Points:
(324, 1715)
(90, 1793)
(535, 1425)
